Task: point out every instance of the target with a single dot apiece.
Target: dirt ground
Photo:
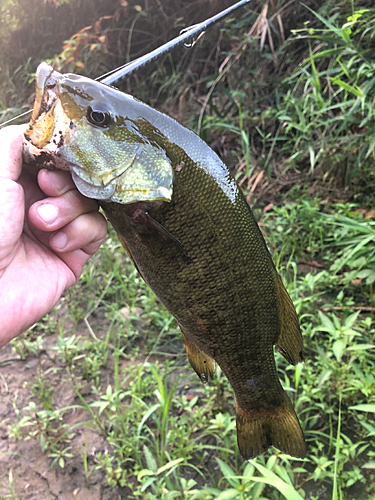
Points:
(25, 471)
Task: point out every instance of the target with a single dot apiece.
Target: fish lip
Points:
(92, 179)
(42, 127)
(46, 91)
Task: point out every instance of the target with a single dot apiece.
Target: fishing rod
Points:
(190, 36)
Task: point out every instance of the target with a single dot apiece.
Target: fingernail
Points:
(48, 212)
(59, 240)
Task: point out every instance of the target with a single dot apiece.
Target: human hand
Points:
(48, 231)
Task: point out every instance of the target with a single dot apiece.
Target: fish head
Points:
(100, 135)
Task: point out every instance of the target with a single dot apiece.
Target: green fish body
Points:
(191, 234)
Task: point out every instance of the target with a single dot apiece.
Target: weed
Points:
(326, 113)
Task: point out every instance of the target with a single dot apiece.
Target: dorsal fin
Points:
(289, 343)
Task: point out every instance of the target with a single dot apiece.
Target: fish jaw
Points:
(47, 128)
(112, 162)
(44, 117)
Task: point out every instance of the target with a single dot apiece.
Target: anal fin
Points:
(289, 342)
(203, 364)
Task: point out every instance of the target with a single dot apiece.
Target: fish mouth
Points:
(40, 130)
(45, 133)
(47, 92)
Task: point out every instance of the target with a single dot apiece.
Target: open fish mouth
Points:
(47, 128)
(47, 91)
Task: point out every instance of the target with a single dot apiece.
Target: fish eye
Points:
(98, 117)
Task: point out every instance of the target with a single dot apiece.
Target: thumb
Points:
(12, 214)
(12, 205)
(11, 151)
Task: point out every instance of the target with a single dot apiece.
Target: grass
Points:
(169, 436)
(326, 111)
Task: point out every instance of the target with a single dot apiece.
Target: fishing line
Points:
(188, 37)
(15, 118)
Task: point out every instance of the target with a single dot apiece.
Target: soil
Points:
(30, 468)
(26, 472)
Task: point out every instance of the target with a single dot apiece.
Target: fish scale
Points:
(193, 239)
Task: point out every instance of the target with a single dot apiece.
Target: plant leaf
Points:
(228, 473)
(338, 348)
(272, 479)
(368, 408)
(169, 465)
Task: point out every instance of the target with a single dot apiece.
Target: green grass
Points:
(326, 106)
(169, 436)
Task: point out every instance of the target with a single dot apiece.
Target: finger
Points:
(28, 181)
(51, 214)
(75, 261)
(86, 232)
(11, 151)
(89, 232)
(55, 183)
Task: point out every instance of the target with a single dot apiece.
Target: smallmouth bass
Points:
(192, 236)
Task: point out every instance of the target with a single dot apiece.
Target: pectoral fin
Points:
(203, 365)
(123, 243)
(170, 243)
(289, 343)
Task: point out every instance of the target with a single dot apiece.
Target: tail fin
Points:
(259, 429)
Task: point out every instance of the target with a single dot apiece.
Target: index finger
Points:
(11, 151)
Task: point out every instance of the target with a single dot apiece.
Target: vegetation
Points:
(291, 108)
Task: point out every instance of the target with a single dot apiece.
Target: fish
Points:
(190, 233)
